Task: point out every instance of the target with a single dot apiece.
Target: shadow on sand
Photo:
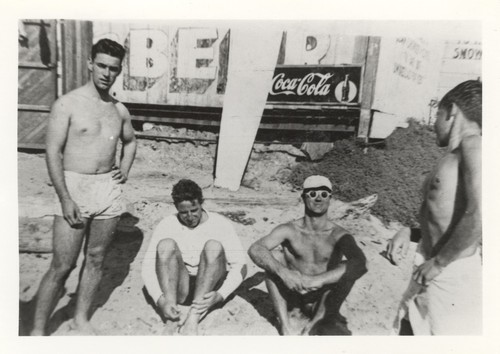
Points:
(259, 299)
(122, 252)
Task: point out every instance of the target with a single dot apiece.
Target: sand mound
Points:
(394, 170)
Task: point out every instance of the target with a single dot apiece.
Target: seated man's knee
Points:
(274, 282)
(213, 250)
(355, 269)
(166, 248)
(362, 267)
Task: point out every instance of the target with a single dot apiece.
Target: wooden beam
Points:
(368, 89)
(161, 136)
(261, 200)
(273, 126)
(76, 48)
(309, 127)
(34, 23)
(185, 121)
(38, 244)
(360, 51)
(30, 146)
(39, 66)
(314, 106)
(33, 108)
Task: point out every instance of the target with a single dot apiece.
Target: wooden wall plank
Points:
(368, 90)
(37, 82)
(76, 49)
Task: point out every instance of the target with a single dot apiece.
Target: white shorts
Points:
(98, 196)
(450, 304)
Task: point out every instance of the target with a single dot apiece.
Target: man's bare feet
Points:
(37, 332)
(286, 331)
(83, 328)
(331, 326)
(171, 328)
(290, 329)
(305, 331)
(190, 326)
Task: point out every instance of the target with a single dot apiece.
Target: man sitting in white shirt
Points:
(193, 254)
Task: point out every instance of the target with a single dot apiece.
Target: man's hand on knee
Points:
(311, 283)
(169, 310)
(292, 279)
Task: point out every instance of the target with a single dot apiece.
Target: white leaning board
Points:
(253, 57)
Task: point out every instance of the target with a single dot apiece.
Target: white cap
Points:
(317, 181)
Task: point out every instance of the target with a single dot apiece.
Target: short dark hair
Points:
(188, 190)
(110, 47)
(468, 97)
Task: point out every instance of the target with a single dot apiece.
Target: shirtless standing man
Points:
(309, 274)
(82, 136)
(444, 296)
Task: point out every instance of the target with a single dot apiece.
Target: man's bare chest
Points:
(315, 248)
(95, 121)
(443, 179)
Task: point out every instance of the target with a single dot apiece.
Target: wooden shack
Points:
(325, 78)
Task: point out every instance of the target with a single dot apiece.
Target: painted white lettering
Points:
(189, 53)
(309, 85)
(147, 56)
(314, 54)
(306, 49)
(467, 53)
(278, 85)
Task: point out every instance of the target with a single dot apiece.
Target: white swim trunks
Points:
(450, 305)
(98, 196)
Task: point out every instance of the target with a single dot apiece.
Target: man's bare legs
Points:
(277, 294)
(100, 236)
(66, 245)
(280, 304)
(211, 270)
(319, 311)
(325, 316)
(405, 328)
(331, 322)
(174, 281)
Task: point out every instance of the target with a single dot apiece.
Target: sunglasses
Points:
(314, 194)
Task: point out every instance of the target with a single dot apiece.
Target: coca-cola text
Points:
(312, 84)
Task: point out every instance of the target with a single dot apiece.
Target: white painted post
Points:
(252, 60)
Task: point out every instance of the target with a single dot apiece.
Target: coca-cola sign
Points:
(316, 84)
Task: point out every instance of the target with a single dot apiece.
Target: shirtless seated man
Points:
(194, 258)
(309, 274)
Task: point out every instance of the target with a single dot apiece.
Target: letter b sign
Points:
(147, 57)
